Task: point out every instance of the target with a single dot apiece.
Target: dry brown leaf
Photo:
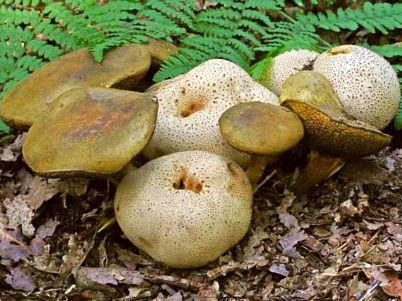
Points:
(19, 214)
(289, 241)
(112, 275)
(20, 279)
(11, 152)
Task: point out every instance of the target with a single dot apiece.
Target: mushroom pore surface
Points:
(185, 209)
(365, 83)
(191, 104)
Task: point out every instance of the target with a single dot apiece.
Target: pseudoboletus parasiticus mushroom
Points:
(190, 106)
(282, 66)
(90, 131)
(185, 209)
(121, 68)
(262, 130)
(331, 135)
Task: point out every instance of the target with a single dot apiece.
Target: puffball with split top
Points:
(365, 83)
(185, 209)
(190, 106)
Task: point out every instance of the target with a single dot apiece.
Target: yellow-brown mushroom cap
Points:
(260, 128)
(327, 129)
(90, 131)
(121, 67)
(185, 209)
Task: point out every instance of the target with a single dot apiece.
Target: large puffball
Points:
(185, 209)
(191, 104)
(281, 67)
(365, 83)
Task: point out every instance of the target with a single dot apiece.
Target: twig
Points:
(370, 291)
(264, 181)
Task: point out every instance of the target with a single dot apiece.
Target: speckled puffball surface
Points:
(286, 64)
(185, 209)
(365, 83)
(191, 104)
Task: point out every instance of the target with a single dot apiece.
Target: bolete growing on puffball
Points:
(332, 135)
(185, 209)
(122, 68)
(282, 66)
(190, 106)
(262, 130)
(90, 131)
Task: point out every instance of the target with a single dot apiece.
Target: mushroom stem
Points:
(256, 167)
(319, 168)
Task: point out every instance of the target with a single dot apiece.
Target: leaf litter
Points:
(343, 242)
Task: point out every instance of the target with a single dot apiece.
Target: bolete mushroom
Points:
(332, 135)
(121, 68)
(90, 131)
(260, 129)
(185, 209)
(191, 104)
(366, 84)
(281, 67)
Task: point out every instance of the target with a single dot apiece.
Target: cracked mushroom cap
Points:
(190, 107)
(365, 82)
(185, 209)
(261, 128)
(90, 131)
(327, 128)
(281, 67)
(121, 68)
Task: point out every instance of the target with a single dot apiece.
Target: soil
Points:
(59, 241)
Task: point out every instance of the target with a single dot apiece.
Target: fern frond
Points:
(388, 51)
(373, 17)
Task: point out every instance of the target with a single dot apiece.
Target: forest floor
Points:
(343, 242)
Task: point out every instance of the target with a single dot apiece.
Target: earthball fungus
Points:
(260, 129)
(365, 83)
(191, 104)
(90, 131)
(281, 67)
(185, 209)
(332, 135)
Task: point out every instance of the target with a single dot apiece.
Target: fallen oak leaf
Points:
(389, 282)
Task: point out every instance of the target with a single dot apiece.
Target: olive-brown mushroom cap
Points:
(261, 128)
(281, 67)
(191, 104)
(121, 68)
(185, 209)
(160, 50)
(365, 83)
(90, 131)
(327, 129)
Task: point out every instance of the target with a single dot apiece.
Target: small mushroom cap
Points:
(365, 82)
(261, 128)
(121, 67)
(191, 104)
(313, 88)
(185, 209)
(90, 131)
(327, 128)
(284, 65)
(160, 50)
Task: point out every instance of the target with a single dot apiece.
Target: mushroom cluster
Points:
(209, 134)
